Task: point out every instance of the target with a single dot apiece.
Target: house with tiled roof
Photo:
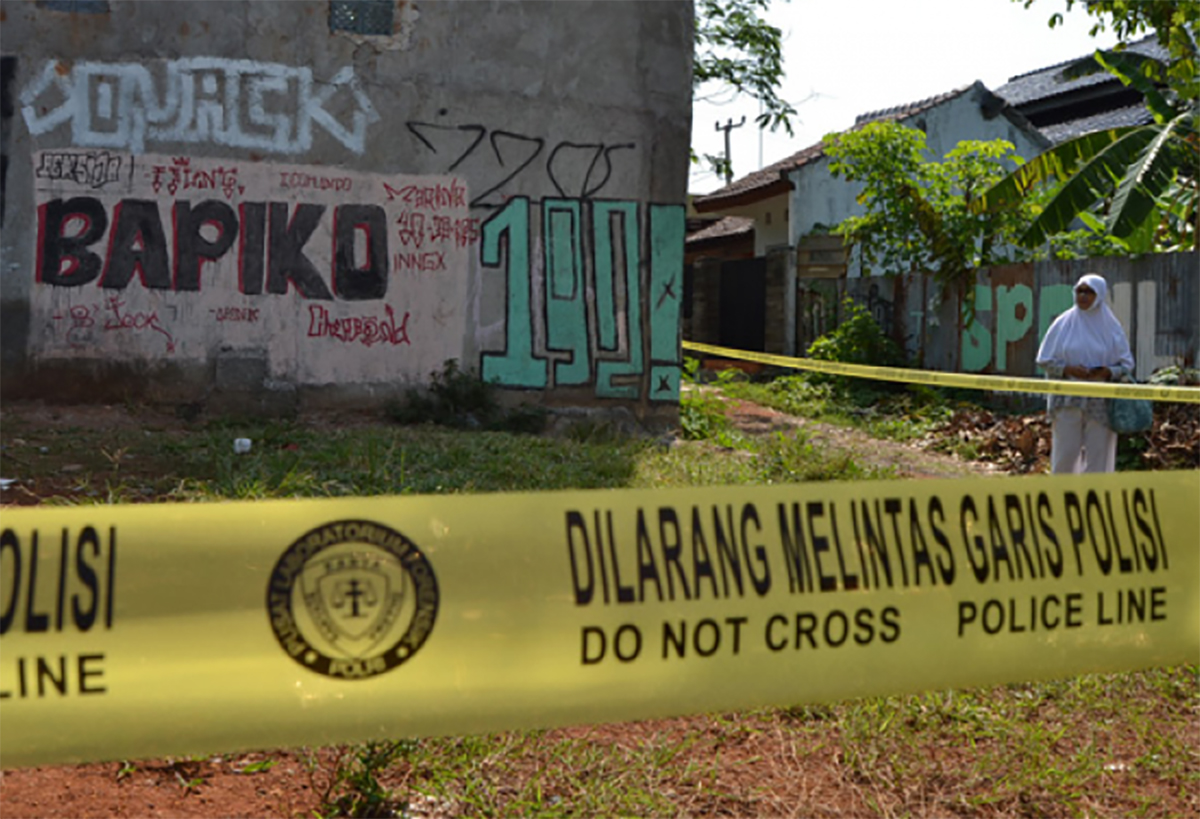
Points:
(793, 203)
(790, 198)
(1038, 109)
(785, 210)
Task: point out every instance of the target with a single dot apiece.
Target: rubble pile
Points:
(1174, 442)
(1020, 444)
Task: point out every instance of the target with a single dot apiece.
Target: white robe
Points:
(1087, 338)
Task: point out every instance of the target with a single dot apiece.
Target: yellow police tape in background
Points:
(935, 378)
(177, 629)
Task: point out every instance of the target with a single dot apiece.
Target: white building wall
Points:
(818, 200)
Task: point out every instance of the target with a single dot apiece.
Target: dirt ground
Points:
(760, 774)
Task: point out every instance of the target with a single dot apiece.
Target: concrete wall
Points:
(221, 196)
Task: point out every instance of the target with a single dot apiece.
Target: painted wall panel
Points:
(333, 274)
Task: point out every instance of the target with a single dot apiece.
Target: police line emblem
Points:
(352, 599)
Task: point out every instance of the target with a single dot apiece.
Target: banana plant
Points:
(1135, 182)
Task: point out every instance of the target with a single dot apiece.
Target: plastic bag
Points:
(1127, 416)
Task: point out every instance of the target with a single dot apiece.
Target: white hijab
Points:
(1089, 338)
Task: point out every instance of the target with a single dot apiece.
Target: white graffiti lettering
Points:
(239, 103)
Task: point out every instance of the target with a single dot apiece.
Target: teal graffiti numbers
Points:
(611, 305)
(615, 226)
(666, 294)
(516, 366)
(566, 306)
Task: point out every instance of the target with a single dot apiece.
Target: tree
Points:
(1169, 19)
(918, 210)
(738, 50)
(1138, 183)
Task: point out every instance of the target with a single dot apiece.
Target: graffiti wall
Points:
(332, 274)
(247, 195)
(592, 296)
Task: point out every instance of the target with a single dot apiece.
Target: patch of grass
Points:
(1049, 748)
(899, 416)
(702, 412)
(353, 788)
(1040, 748)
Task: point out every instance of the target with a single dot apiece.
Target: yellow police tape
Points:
(995, 383)
(144, 631)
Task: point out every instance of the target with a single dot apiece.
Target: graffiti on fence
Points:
(605, 311)
(236, 103)
(1007, 315)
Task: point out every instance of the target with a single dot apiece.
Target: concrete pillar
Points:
(780, 335)
(706, 302)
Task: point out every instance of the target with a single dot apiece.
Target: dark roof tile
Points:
(1048, 82)
(723, 229)
(1116, 118)
(910, 109)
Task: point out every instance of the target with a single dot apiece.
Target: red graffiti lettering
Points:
(179, 175)
(135, 321)
(368, 330)
(462, 232)
(430, 197)
(423, 262)
(412, 228)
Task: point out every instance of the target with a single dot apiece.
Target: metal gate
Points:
(744, 304)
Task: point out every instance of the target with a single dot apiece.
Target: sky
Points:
(847, 57)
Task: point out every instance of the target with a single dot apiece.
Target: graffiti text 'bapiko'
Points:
(81, 241)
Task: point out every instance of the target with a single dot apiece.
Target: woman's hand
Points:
(1087, 374)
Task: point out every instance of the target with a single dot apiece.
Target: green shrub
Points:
(462, 400)
(702, 414)
(857, 340)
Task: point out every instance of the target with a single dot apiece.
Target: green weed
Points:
(462, 400)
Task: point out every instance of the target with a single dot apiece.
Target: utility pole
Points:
(727, 127)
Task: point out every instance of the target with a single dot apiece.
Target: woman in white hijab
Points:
(1086, 343)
